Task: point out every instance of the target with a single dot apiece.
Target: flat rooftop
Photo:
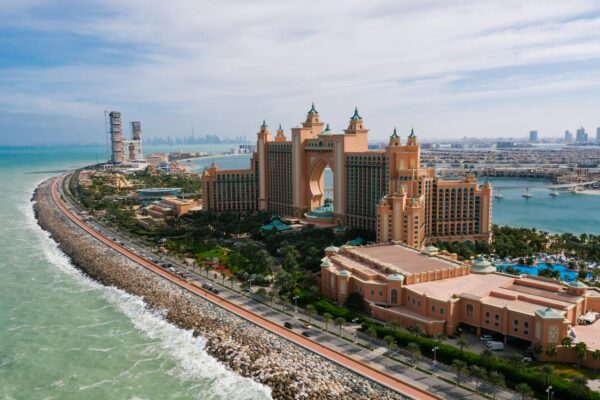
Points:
(471, 284)
(401, 259)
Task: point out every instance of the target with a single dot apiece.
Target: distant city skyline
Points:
(493, 69)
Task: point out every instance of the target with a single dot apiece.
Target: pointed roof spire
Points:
(264, 124)
(313, 110)
(213, 165)
(412, 132)
(356, 116)
(394, 134)
(280, 127)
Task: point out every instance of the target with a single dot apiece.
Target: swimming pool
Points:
(565, 273)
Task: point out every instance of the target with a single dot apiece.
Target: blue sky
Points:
(450, 69)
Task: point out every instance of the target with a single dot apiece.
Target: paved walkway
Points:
(362, 349)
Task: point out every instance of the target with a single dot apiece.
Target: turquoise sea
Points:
(63, 336)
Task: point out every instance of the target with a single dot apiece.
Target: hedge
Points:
(446, 353)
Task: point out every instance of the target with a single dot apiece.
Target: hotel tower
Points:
(384, 191)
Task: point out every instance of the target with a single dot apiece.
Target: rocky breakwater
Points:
(289, 370)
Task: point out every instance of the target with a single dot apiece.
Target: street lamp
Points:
(435, 349)
(295, 298)
(549, 391)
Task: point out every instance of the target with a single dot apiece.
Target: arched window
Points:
(394, 296)
(470, 311)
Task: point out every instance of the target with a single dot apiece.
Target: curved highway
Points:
(350, 363)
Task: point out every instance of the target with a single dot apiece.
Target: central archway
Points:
(317, 189)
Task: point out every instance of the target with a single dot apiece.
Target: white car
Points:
(494, 345)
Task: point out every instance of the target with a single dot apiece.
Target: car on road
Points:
(496, 346)
(306, 333)
(206, 285)
(288, 325)
(486, 338)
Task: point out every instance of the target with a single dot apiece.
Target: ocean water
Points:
(64, 336)
(566, 213)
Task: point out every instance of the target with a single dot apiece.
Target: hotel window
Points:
(394, 296)
(442, 310)
(380, 293)
(526, 324)
(413, 300)
(432, 308)
(372, 292)
(470, 312)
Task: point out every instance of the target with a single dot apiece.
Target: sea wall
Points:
(289, 370)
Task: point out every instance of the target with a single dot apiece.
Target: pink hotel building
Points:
(408, 207)
(385, 191)
(438, 293)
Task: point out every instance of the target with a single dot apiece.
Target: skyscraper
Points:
(582, 136)
(598, 135)
(116, 137)
(533, 136)
(568, 137)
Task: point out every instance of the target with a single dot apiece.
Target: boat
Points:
(527, 195)
(499, 196)
(554, 193)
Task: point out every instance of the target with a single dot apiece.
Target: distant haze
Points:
(448, 69)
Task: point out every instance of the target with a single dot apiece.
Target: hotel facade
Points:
(385, 191)
(433, 290)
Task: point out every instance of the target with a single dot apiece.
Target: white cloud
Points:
(228, 64)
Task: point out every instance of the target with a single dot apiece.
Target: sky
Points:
(448, 69)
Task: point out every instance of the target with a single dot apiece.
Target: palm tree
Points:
(340, 322)
(439, 337)
(389, 341)
(395, 325)
(515, 360)
(272, 294)
(487, 356)
(414, 350)
(495, 379)
(536, 350)
(462, 343)
(567, 341)
(416, 330)
(459, 365)
(327, 318)
(310, 311)
(478, 374)
(524, 390)
(579, 385)
(580, 350)
(596, 357)
(547, 371)
(551, 351)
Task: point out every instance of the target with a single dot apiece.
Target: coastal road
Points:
(345, 361)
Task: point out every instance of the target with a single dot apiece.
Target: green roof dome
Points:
(578, 285)
(356, 116)
(482, 266)
(396, 277)
(549, 313)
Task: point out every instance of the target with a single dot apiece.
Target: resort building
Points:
(440, 294)
(384, 191)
